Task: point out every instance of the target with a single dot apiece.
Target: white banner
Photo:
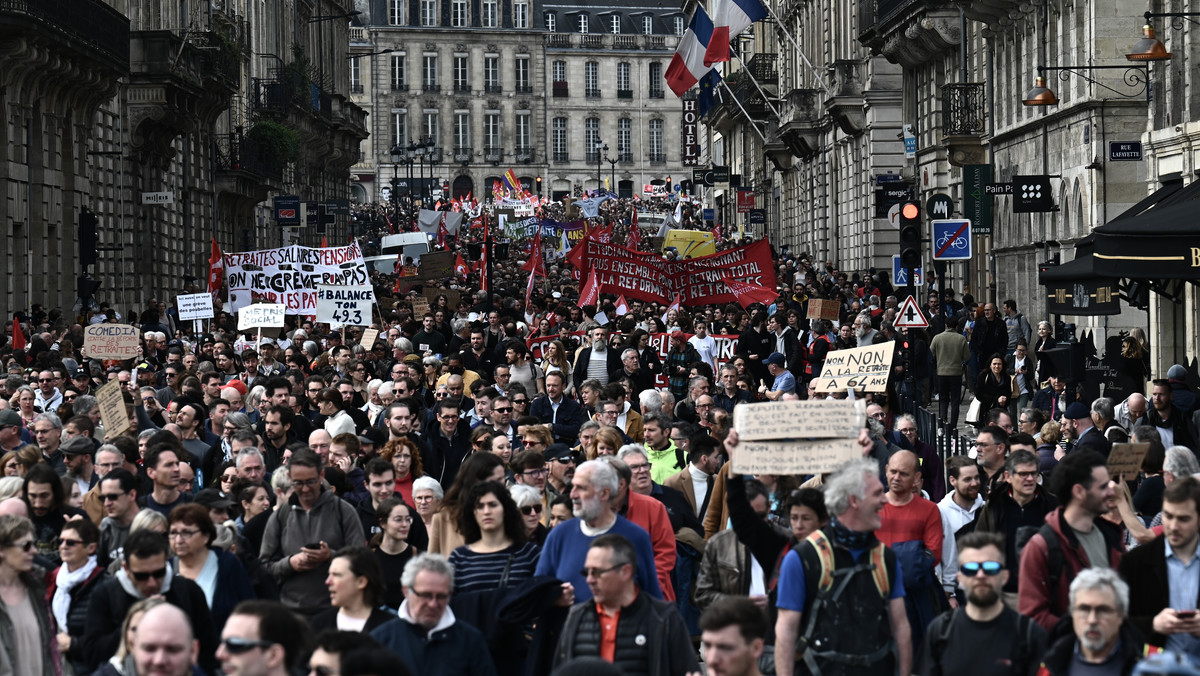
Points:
(261, 315)
(290, 275)
(345, 305)
(195, 306)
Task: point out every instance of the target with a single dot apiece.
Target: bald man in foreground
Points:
(164, 644)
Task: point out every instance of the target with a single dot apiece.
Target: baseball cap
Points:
(556, 450)
(10, 418)
(1077, 410)
(678, 333)
(775, 358)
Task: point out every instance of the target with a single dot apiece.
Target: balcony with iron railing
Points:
(592, 93)
(523, 88)
(462, 155)
(656, 92)
(356, 87)
(624, 93)
(493, 88)
(764, 67)
(561, 89)
(493, 155)
(431, 88)
(523, 154)
(658, 158)
(625, 157)
(433, 155)
(90, 27)
(235, 153)
(964, 122)
(461, 88)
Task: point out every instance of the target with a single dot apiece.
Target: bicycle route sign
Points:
(951, 239)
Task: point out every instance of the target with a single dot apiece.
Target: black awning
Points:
(1074, 288)
(1162, 242)
(1165, 195)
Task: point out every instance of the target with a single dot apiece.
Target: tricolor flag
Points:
(675, 305)
(622, 306)
(729, 18)
(590, 294)
(216, 268)
(687, 66)
(512, 183)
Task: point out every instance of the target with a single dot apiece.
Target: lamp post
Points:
(398, 154)
(431, 152)
(1136, 77)
(598, 149)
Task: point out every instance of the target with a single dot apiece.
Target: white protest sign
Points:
(261, 315)
(111, 341)
(368, 338)
(112, 409)
(195, 306)
(290, 275)
(859, 368)
(797, 437)
(347, 305)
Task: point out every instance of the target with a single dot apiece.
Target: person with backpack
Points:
(858, 625)
(984, 636)
(1075, 536)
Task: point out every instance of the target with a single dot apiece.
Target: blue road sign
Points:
(900, 274)
(709, 214)
(951, 239)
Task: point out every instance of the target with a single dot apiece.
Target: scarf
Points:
(64, 582)
(850, 539)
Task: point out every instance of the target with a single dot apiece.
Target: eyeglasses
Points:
(25, 546)
(989, 568)
(907, 430)
(69, 542)
(1027, 475)
(430, 596)
(143, 576)
(403, 519)
(237, 646)
(639, 467)
(45, 380)
(185, 534)
(506, 409)
(701, 406)
(597, 572)
(306, 483)
(111, 497)
(530, 510)
(1101, 611)
(536, 472)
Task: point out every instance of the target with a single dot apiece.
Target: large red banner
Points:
(650, 277)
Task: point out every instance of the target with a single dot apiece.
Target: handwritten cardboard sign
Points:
(794, 457)
(1126, 459)
(823, 309)
(368, 338)
(798, 420)
(195, 306)
(261, 315)
(420, 305)
(345, 305)
(861, 368)
(112, 409)
(111, 341)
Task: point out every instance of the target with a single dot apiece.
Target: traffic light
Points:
(88, 239)
(668, 185)
(86, 287)
(910, 235)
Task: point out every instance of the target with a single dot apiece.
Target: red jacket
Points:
(650, 514)
(1036, 598)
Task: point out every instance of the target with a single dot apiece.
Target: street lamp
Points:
(612, 172)
(598, 157)
(398, 155)
(1137, 78)
(431, 153)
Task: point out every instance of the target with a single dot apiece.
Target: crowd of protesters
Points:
(448, 501)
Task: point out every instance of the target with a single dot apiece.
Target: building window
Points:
(491, 131)
(522, 74)
(591, 79)
(623, 77)
(591, 137)
(614, 24)
(356, 85)
(462, 75)
(491, 14)
(559, 139)
(656, 80)
(462, 130)
(431, 126)
(521, 14)
(624, 139)
(648, 25)
(399, 74)
(551, 22)
(458, 13)
(491, 74)
(679, 25)
(399, 128)
(656, 142)
(396, 12)
(523, 122)
(559, 69)
(428, 12)
(430, 73)
(583, 23)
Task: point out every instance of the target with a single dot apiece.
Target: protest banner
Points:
(111, 341)
(823, 309)
(195, 306)
(1126, 459)
(261, 315)
(649, 276)
(368, 338)
(797, 437)
(345, 305)
(290, 275)
(112, 409)
(860, 368)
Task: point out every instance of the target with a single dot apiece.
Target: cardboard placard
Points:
(794, 457)
(195, 306)
(345, 305)
(799, 420)
(860, 368)
(420, 305)
(112, 409)
(111, 341)
(261, 315)
(1126, 459)
(368, 338)
(452, 296)
(437, 264)
(823, 309)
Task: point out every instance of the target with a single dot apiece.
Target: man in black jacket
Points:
(583, 368)
(989, 336)
(449, 443)
(145, 573)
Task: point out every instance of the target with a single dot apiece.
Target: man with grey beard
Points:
(863, 333)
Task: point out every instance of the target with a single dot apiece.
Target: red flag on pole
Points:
(529, 291)
(442, 233)
(460, 266)
(748, 294)
(536, 262)
(216, 268)
(635, 233)
(622, 306)
(324, 242)
(675, 305)
(590, 294)
(18, 341)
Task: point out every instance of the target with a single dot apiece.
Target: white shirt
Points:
(706, 347)
(699, 486)
(953, 518)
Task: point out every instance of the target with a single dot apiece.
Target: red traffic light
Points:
(910, 210)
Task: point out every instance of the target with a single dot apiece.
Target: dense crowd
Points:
(495, 488)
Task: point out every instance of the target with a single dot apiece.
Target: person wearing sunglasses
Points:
(264, 638)
(145, 573)
(70, 587)
(25, 621)
(985, 631)
(531, 503)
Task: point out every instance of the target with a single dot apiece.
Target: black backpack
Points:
(939, 636)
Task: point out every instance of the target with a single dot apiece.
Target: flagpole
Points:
(783, 28)
(753, 124)
(747, 73)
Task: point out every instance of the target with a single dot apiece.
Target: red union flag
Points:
(590, 294)
(748, 294)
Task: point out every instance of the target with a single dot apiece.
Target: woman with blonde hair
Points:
(606, 442)
(121, 664)
(555, 359)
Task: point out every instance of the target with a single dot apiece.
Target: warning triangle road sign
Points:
(909, 316)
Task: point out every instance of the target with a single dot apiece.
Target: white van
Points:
(650, 223)
(405, 245)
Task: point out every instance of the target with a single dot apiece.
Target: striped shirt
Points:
(475, 572)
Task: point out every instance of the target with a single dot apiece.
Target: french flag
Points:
(688, 66)
(730, 17)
